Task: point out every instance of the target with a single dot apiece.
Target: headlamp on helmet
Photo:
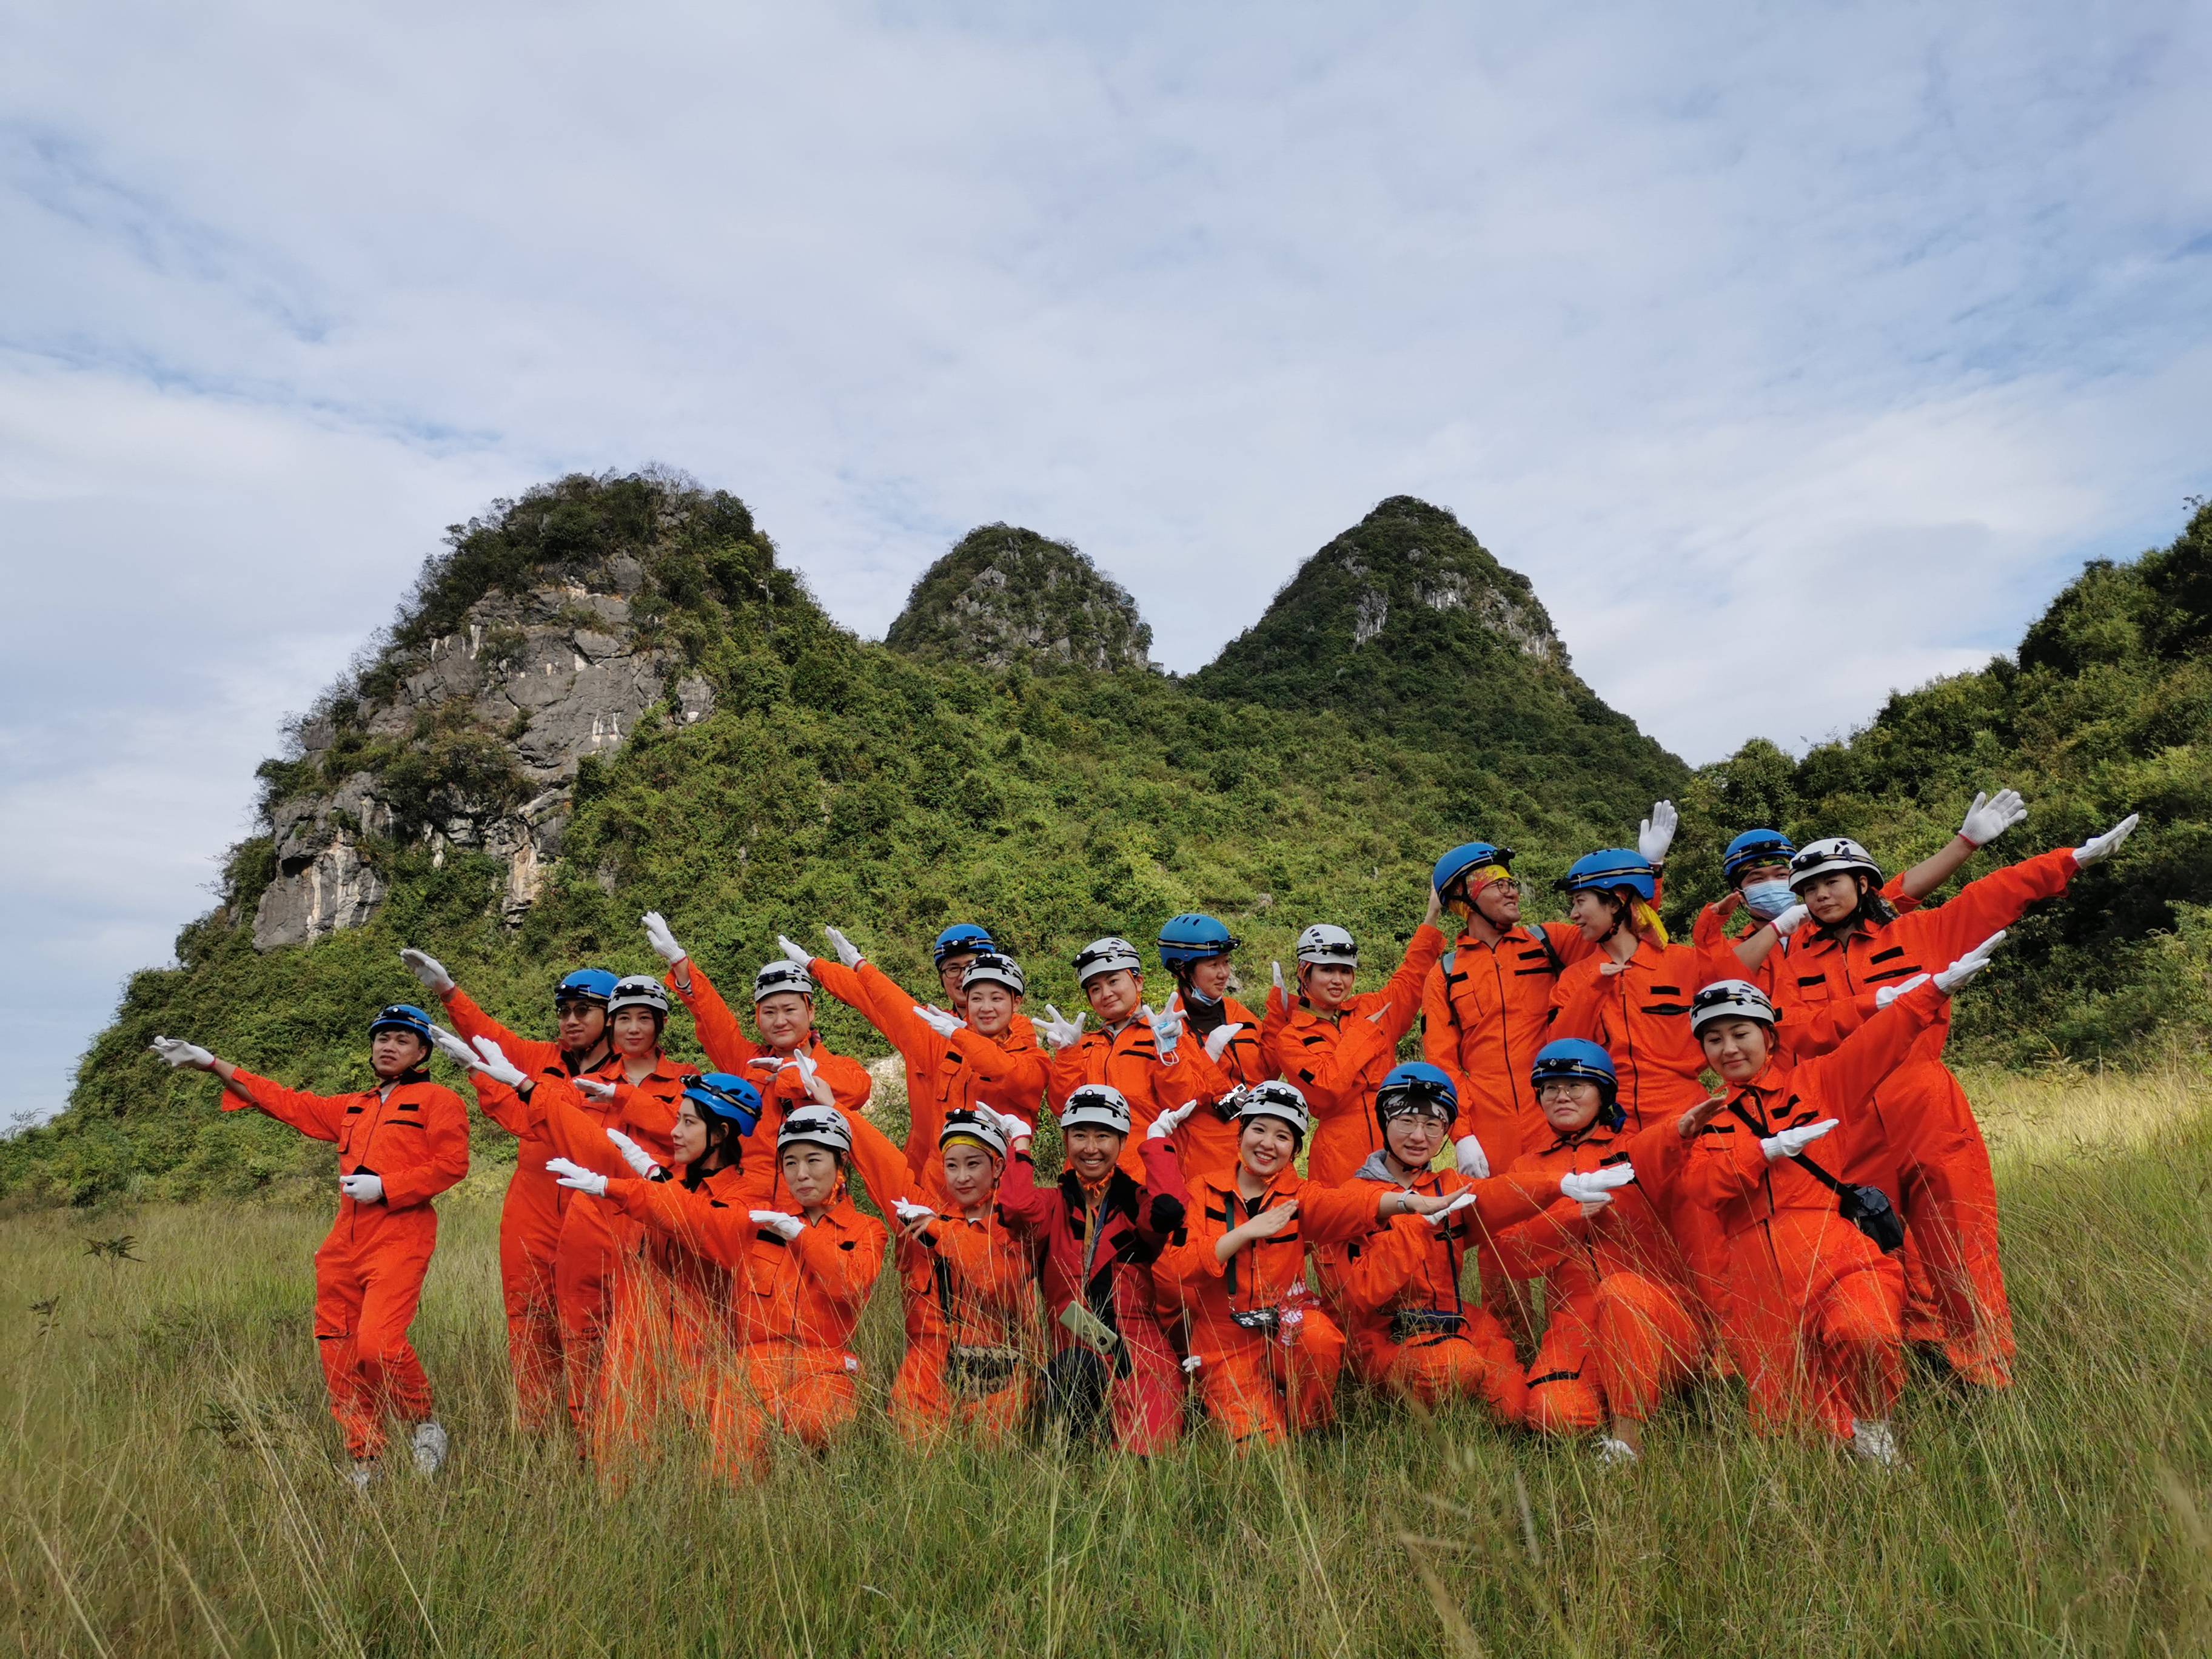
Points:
(1417, 1089)
(1106, 956)
(1326, 945)
(1096, 1106)
(1730, 999)
(779, 977)
(1280, 1101)
(991, 969)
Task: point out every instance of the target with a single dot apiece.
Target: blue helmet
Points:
(1616, 866)
(594, 985)
(1193, 936)
(401, 1016)
(1474, 855)
(1756, 847)
(726, 1096)
(1571, 1060)
(961, 939)
(1416, 1086)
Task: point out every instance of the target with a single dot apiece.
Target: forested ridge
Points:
(1404, 692)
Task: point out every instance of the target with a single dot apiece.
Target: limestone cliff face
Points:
(1006, 595)
(468, 729)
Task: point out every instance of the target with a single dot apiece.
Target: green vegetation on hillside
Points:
(1005, 596)
(2108, 711)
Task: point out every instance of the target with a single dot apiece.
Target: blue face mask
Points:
(1768, 899)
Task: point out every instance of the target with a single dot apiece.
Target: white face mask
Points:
(1768, 899)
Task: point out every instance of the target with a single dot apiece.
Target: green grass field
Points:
(171, 1479)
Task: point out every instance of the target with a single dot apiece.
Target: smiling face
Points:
(393, 1052)
(1569, 1104)
(810, 1172)
(1267, 1146)
(991, 1009)
(637, 1032)
(579, 1025)
(784, 1020)
(1092, 1152)
(1736, 1048)
(971, 1174)
(1415, 1138)
(1499, 903)
(1326, 985)
(1594, 913)
(688, 1139)
(1114, 997)
(1832, 898)
(1209, 976)
(948, 975)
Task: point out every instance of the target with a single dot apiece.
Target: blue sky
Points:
(1798, 354)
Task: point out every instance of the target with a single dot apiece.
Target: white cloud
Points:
(1794, 354)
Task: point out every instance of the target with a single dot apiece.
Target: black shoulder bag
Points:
(1866, 1208)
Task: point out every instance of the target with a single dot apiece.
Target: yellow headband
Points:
(975, 1141)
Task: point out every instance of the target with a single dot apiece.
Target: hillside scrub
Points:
(171, 1486)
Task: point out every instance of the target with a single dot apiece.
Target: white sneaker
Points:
(1613, 1454)
(363, 1474)
(1876, 1442)
(431, 1446)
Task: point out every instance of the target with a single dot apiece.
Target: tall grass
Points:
(170, 1481)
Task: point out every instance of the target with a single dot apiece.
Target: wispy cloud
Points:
(1795, 350)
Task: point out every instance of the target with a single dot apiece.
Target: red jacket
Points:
(1099, 1249)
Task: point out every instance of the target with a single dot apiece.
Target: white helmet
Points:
(1096, 1106)
(1106, 956)
(638, 991)
(993, 968)
(1275, 1100)
(815, 1126)
(973, 1126)
(1322, 943)
(779, 975)
(1827, 858)
(1729, 998)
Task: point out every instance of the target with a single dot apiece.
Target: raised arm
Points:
(720, 1035)
(317, 1116)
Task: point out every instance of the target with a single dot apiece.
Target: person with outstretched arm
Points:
(400, 1142)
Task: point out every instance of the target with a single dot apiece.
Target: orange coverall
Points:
(1129, 1060)
(793, 1306)
(1811, 1309)
(1485, 1011)
(369, 1271)
(973, 1363)
(1337, 1063)
(942, 1074)
(1398, 1289)
(530, 1223)
(1254, 1381)
(1625, 1325)
(1244, 1060)
(1920, 1143)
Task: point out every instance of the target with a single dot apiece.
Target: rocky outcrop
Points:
(1006, 595)
(528, 687)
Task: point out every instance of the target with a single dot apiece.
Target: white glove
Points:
(1991, 816)
(1889, 994)
(1474, 1161)
(1791, 1142)
(496, 1066)
(2104, 846)
(848, 952)
(362, 1188)
(938, 1020)
(640, 1161)
(803, 1063)
(1058, 1031)
(1006, 1123)
(798, 952)
(594, 1088)
(1168, 1122)
(427, 969)
(1218, 1043)
(454, 1048)
(907, 1213)
(1276, 968)
(1440, 1219)
(1656, 833)
(784, 1227)
(662, 941)
(1962, 971)
(1596, 1187)
(1167, 1030)
(577, 1178)
(178, 1052)
(1790, 921)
